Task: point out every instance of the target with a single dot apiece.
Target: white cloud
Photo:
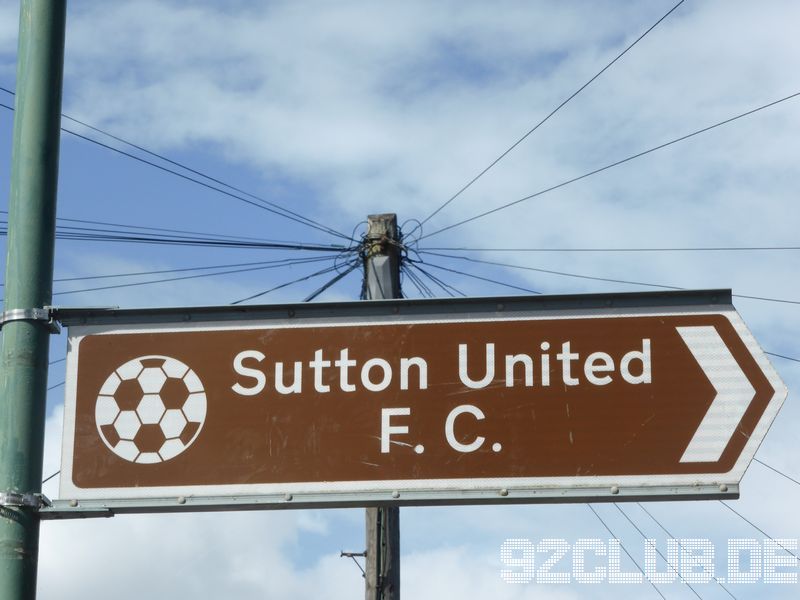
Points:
(341, 109)
(416, 99)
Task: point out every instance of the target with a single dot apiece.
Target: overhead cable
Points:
(163, 271)
(353, 266)
(614, 536)
(446, 287)
(46, 479)
(605, 279)
(650, 249)
(90, 235)
(508, 285)
(544, 120)
(548, 271)
(287, 284)
(610, 166)
(201, 234)
(276, 264)
(797, 360)
(657, 522)
(261, 203)
(779, 472)
(422, 288)
(669, 564)
(756, 527)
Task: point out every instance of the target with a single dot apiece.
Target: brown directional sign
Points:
(410, 406)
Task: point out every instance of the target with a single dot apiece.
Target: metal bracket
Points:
(33, 500)
(353, 555)
(44, 315)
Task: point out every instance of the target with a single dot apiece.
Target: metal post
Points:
(381, 281)
(28, 286)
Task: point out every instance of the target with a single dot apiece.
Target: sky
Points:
(340, 110)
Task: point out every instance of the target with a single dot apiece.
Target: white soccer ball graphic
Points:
(150, 409)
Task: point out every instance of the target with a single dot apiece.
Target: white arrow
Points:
(734, 394)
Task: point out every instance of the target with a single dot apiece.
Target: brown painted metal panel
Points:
(531, 431)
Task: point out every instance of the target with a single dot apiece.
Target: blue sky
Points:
(338, 110)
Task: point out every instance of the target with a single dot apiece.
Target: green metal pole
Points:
(29, 282)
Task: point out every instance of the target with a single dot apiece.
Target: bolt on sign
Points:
(626, 396)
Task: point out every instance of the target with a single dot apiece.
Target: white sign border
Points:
(431, 489)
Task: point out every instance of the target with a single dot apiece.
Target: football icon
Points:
(150, 409)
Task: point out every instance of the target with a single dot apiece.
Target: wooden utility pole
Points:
(382, 281)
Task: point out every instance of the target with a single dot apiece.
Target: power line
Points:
(177, 164)
(89, 234)
(605, 279)
(422, 288)
(191, 170)
(202, 234)
(163, 271)
(783, 356)
(433, 279)
(182, 242)
(754, 526)
(545, 119)
(644, 537)
(549, 272)
(614, 536)
(508, 285)
(273, 265)
(96, 235)
(766, 299)
(260, 203)
(283, 285)
(447, 288)
(92, 233)
(610, 166)
(657, 522)
(584, 277)
(58, 385)
(353, 266)
(771, 468)
(46, 479)
(665, 249)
